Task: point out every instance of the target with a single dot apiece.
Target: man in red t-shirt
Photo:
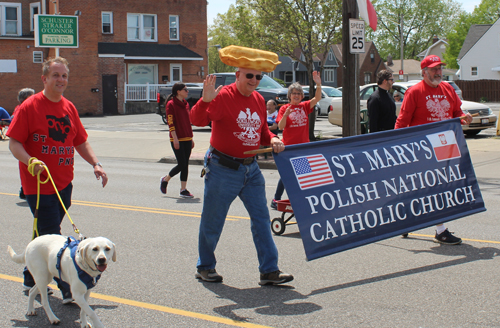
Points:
(239, 123)
(47, 127)
(432, 101)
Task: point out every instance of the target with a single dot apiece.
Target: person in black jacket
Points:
(381, 105)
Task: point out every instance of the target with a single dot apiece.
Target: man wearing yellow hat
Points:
(239, 124)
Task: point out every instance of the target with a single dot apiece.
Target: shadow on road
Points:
(266, 300)
(467, 253)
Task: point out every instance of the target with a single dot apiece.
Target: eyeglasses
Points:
(390, 79)
(186, 89)
(257, 76)
(296, 94)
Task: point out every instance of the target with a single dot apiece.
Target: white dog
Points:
(41, 257)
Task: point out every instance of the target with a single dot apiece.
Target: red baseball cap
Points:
(431, 61)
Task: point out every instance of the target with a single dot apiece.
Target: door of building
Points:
(109, 95)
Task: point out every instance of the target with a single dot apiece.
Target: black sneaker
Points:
(447, 238)
(67, 297)
(275, 278)
(21, 193)
(274, 205)
(405, 235)
(208, 275)
(185, 194)
(163, 186)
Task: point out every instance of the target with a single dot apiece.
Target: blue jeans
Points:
(280, 188)
(222, 185)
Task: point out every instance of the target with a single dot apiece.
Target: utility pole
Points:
(402, 52)
(350, 75)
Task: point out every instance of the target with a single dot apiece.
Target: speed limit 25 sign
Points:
(356, 36)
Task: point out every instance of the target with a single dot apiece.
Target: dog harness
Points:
(87, 279)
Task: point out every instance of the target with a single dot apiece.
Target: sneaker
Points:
(447, 238)
(163, 186)
(185, 194)
(405, 235)
(274, 205)
(208, 275)
(50, 291)
(21, 193)
(275, 278)
(67, 297)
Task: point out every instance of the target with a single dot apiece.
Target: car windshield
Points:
(268, 83)
(332, 92)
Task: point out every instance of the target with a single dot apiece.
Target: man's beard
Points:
(434, 80)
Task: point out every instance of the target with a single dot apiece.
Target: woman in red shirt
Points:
(181, 136)
(293, 120)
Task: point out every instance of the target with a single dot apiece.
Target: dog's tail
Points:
(18, 258)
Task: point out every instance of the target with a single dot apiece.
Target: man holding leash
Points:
(45, 131)
(432, 101)
(239, 124)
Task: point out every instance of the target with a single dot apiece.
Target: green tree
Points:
(422, 19)
(221, 34)
(285, 26)
(487, 12)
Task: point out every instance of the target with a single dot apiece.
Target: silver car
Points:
(486, 119)
(327, 94)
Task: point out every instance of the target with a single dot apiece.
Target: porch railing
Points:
(141, 92)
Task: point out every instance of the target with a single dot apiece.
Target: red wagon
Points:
(278, 225)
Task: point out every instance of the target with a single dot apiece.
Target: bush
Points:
(483, 99)
(283, 84)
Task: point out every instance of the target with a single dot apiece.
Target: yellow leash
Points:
(31, 169)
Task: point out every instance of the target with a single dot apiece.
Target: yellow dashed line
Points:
(155, 307)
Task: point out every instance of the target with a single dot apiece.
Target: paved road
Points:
(393, 283)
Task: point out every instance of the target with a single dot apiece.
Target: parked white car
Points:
(327, 94)
(485, 120)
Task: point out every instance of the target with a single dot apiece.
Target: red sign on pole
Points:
(400, 72)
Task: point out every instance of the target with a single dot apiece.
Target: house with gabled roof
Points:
(479, 57)
(126, 50)
(291, 70)
(437, 48)
(370, 63)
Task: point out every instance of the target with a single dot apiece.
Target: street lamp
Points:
(208, 59)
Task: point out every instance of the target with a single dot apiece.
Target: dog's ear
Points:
(84, 245)
(114, 253)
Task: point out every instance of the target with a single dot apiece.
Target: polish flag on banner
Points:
(312, 171)
(445, 145)
(368, 13)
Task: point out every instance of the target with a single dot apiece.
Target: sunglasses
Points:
(185, 89)
(390, 79)
(250, 76)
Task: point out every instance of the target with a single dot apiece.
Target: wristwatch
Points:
(98, 163)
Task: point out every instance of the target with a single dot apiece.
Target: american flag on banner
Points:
(312, 171)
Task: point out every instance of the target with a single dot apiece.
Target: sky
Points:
(221, 6)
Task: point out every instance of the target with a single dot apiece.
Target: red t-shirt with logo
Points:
(424, 104)
(48, 131)
(239, 123)
(296, 130)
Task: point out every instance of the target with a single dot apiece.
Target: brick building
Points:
(121, 42)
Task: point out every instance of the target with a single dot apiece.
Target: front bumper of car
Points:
(486, 119)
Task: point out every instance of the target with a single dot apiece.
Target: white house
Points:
(479, 57)
(437, 48)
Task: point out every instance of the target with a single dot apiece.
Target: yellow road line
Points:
(141, 209)
(155, 307)
(197, 214)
